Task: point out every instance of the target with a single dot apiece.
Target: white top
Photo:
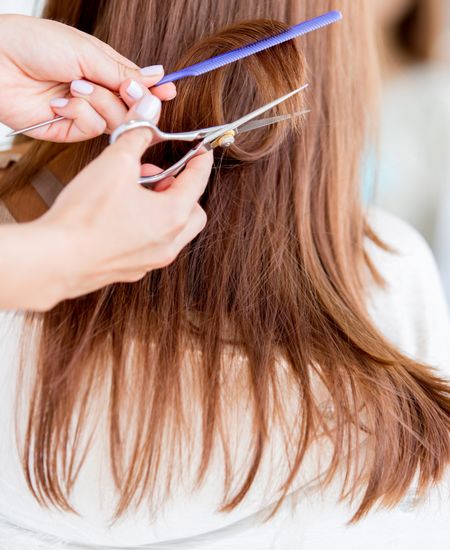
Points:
(411, 312)
(442, 237)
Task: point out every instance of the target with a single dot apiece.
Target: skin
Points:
(103, 227)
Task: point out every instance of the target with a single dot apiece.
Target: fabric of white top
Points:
(411, 312)
(442, 238)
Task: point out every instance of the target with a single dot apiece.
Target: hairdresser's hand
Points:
(49, 69)
(107, 228)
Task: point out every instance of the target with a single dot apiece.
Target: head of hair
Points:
(261, 322)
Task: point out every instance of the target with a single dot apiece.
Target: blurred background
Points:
(408, 171)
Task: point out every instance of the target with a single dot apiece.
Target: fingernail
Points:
(134, 90)
(171, 96)
(149, 107)
(82, 87)
(59, 102)
(152, 70)
(171, 93)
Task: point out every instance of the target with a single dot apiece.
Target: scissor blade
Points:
(254, 114)
(254, 124)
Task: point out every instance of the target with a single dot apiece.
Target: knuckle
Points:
(123, 72)
(101, 126)
(172, 225)
(134, 277)
(179, 215)
(126, 160)
(202, 217)
(139, 139)
(82, 106)
(142, 137)
(168, 255)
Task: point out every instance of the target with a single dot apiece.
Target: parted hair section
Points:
(224, 95)
(257, 336)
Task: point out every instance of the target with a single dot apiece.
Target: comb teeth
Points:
(245, 51)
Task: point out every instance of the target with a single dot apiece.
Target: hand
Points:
(44, 62)
(107, 228)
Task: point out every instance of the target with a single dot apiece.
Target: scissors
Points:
(215, 136)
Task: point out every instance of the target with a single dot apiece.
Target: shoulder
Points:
(400, 236)
(411, 309)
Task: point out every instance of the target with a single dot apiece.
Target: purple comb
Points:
(239, 53)
(229, 57)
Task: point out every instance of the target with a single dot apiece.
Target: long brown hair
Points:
(262, 318)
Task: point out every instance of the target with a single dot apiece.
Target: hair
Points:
(418, 31)
(260, 326)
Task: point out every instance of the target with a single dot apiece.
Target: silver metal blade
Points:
(254, 114)
(254, 124)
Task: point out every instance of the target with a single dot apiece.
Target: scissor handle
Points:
(150, 181)
(163, 136)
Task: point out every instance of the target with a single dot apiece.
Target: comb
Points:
(245, 51)
(229, 57)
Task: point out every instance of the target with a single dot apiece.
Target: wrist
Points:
(50, 256)
(30, 263)
(62, 259)
(74, 261)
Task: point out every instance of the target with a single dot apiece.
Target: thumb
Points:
(138, 140)
(105, 66)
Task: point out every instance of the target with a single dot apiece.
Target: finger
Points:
(103, 65)
(152, 170)
(137, 141)
(83, 122)
(196, 224)
(156, 258)
(132, 91)
(167, 254)
(190, 185)
(165, 92)
(130, 276)
(107, 104)
(147, 76)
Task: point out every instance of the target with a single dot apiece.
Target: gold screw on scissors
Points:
(216, 136)
(226, 140)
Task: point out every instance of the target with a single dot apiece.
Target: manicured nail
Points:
(171, 92)
(149, 107)
(152, 70)
(171, 95)
(134, 90)
(59, 102)
(82, 87)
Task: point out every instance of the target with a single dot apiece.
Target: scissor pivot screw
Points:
(226, 140)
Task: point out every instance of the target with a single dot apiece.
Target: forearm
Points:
(31, 260)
